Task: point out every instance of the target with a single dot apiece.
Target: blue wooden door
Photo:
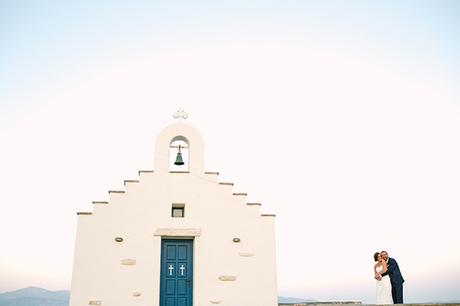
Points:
(176, 272)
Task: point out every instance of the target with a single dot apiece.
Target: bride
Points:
(384, 283)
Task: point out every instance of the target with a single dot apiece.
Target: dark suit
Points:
(396, 281)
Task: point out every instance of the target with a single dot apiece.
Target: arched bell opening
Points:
(179, 154)
(191, 149)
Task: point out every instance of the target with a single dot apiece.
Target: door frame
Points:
(190, 240)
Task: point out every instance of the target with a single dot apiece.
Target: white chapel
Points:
(175, 237)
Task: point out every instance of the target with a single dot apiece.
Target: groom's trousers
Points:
(397, 293)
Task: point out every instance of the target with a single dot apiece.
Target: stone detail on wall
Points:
(178, 232)
(215, 301)
(227, 278)
(136, 294)
(95, 302)
(128, 262)
(246, 254)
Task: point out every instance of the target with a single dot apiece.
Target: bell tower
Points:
(179, 148)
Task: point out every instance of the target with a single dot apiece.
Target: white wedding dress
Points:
(384, 289)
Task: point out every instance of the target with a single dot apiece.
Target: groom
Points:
(395, 276)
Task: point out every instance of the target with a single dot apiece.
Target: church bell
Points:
(179, 161)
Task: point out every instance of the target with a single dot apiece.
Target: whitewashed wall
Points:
(111, 273)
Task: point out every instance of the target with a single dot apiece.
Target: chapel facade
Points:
(175, 237)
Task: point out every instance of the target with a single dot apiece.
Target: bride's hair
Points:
(376, 256)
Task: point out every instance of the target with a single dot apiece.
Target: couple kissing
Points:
(389, 280)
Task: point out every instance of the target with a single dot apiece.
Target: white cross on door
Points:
(170, 268)
(182, 269)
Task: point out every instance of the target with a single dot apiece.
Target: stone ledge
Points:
(227, 184)
(240, 194)
(144, 171)
(213, 173)
(252, 204)
(116, 191)
(130, 181)
(351, 303)
(100, 202)
(268, 215)
(321, 303)
(84, 213)
(178, 232)
(246, 254)
(418, 304)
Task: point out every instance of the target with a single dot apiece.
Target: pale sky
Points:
(343, 118)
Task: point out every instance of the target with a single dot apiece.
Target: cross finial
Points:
(180, 115)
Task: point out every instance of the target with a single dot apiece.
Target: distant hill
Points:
(33, 296)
